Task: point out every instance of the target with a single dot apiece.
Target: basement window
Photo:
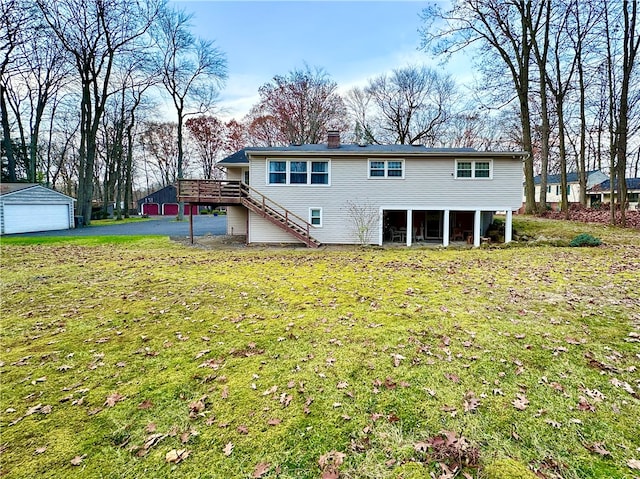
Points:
(315, 216)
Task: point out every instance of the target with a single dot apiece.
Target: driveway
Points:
(156, 225)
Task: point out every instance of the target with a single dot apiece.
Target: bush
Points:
(585, 239)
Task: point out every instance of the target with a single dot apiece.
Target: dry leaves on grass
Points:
(113, 399)
(261, 469)
(521, 402)
(330, 463)
(175, 456)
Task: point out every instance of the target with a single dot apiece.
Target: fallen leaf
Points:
(521, 402)
(633, 463)
(114, 398)
(271, 390)
(274, 422)
(598, 448)
(452, 377)
(76, 461)
(228, 449)
(146, 404)
(40, 450)
(261, 469)
(176, 455)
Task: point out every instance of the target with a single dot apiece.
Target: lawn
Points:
(144, 358)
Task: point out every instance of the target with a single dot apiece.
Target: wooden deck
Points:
(215, 192)
(228, 193)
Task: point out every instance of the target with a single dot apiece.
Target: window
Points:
(319, 172)
(557, 190)
(386, 169)
(549, 189)
(277, 172)
(298, 172)
(482, 169)
(315, 216)
(474, 169)
(464, 169)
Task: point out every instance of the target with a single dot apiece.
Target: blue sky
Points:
(351, 40)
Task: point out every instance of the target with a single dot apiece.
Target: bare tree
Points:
(410, 105)
(303, 105)
(94, 33)
(502, 30)
(191, 70)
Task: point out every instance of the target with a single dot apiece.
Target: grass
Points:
(113, 221)
(289, 354)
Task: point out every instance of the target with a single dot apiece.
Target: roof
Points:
(242, 156)
(6, 188)
(632, 184)
(572, 177)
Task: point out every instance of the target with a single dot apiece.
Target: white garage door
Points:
(34, 217)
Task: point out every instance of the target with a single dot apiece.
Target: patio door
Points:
(434, 225)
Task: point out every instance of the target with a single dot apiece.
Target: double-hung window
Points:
(386, 168)
(315, 216)
(474, 169)
(277, 172)
(298, 172)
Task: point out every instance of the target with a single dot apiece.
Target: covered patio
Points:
(443, 227)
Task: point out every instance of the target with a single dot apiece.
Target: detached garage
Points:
(27, 207)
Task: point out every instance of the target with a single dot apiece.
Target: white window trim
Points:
(287, 171)
(386, 169)
(473, 169)
(311, 209)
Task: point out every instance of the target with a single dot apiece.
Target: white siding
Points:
(428, 184)
(236, 220)
(35, 209)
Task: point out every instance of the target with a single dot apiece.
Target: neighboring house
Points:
(162, 202)
(352, 194)
(554, 188)
(29, 207)
(603, 192)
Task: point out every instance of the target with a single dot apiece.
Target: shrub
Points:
(585, 239)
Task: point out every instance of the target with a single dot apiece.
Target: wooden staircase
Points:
(236, 192)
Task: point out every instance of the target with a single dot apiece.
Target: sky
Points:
(351, 40)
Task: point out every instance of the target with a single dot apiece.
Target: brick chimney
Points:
(333, 139)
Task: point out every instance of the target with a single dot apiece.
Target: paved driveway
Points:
(155, 225)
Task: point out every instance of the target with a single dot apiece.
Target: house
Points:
(554, 189)
(29, 207)
(162, 202)
(356, 194)
(602, 193)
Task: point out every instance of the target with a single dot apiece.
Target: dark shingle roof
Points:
(632, 184)
(240, 157)
(572, 177)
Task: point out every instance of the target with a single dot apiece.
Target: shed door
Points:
(25, 218)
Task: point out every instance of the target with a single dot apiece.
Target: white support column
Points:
(508, 226)
(476, 229)
(409, 227)
(445, 227)
(380, 227)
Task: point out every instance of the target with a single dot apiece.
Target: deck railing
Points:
(207, 191)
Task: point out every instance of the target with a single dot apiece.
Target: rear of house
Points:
(353, 194)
